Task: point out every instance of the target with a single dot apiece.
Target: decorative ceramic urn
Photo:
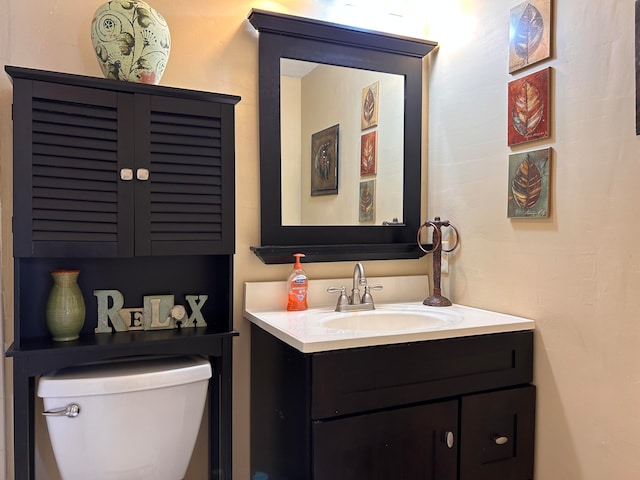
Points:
(65, 306)
(131, 40)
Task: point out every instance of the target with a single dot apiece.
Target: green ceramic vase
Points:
(65, 307)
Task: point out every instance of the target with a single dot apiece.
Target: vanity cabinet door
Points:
(497, 435)
(413, 443)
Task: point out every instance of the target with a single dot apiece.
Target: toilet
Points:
(128, 419)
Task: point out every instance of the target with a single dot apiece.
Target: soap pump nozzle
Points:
(297, 263)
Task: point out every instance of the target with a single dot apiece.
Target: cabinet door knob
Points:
(126, 174)
(500, 439)
(449, 439)
(142, 174)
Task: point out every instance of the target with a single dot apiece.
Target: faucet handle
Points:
(367, 298)
(342, 299)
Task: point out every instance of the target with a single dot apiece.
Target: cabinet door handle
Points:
(449, 439)
(126, 174)
(500, 439)
(142, 174)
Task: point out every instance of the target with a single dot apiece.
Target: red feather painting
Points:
(528, 108)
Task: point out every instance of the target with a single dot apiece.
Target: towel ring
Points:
(437, 235)
(451, 225)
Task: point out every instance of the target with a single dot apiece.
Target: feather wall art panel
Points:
(528, 108)
(324, 161)
(528, 194)
(529, 33)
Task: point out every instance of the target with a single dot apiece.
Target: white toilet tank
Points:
(133, 419)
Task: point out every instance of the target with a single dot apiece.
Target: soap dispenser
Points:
(297, 284)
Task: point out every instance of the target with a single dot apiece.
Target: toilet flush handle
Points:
(70, 411)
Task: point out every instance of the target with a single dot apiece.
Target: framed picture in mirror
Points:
(370, 99)
(324, 162)
(368, 153)
(367, 203)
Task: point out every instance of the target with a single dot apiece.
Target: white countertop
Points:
(308, 330)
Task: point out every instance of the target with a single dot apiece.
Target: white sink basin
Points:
(399, 316)
(389, 320)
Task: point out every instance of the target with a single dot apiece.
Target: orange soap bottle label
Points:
(298, 293)
(298, 284)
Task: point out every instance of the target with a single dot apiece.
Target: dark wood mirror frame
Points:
(285, 36)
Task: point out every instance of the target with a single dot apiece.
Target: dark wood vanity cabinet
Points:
(133, 185)
(454, 409)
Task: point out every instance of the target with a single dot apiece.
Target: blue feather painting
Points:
(529, 33)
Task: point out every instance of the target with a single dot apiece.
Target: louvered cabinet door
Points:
(69, 145)
(184, 177)
(105, 173)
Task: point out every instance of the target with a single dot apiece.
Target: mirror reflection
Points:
(342, 145)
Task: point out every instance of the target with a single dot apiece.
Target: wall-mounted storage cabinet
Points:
(120, 171)
(133, 185)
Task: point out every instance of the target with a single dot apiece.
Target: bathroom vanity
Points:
(133, 185)
(450, 401)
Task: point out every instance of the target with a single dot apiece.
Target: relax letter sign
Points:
(158, 313)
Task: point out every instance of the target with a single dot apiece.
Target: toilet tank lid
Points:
(124, 375)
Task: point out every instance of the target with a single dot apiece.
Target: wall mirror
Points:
(340, 140)
(314, 96)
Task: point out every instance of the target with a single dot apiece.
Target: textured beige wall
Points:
(214, 49)
(577, 273)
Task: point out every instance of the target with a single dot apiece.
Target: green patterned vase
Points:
(65, 306)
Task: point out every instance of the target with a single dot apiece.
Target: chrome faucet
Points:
(355, 301)
(359, 278)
